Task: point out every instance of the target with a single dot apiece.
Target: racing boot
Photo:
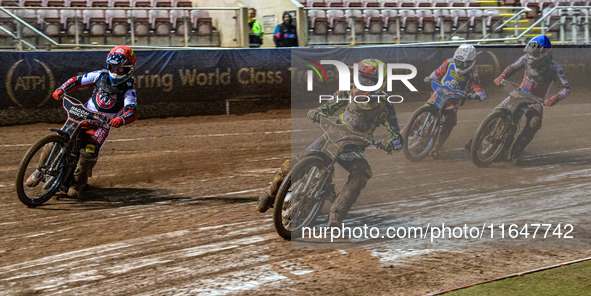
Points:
(443, 135)
(468, 145)
(345, 200)
(267, 200)
(529, 131)
(34, 179)
(82, 173)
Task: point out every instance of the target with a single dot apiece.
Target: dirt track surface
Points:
(171, 211)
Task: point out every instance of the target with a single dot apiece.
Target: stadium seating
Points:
(337, 21)
(318, 22)
(50, 23)
(202, 22)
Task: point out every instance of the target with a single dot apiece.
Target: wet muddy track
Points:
(171, 211)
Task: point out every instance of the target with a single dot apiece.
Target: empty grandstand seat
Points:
(355, 20)
(494, 20)
(201, 22)
(406, 3)
(352, 3)
(140, 21)
(182, 3)
(50, 23)
(68, 20)
(14, 3)
(119, 3)
(334, 3)
(337, 21)
(315, 3)
(373, 21)
(444, 18)
(371, 3)
(534, 6)
(7, 22)
(476, 19)
(97, 3)
(388, 3)
(29, 16)
(95, 21)
(76, 3)
(160, 22)
(462, 21)
(427, 21)
(161, 3)
(409, 21)
(140, 3)
(30, 3)
(118, 22)
(318, 22)
(53, 3)
(177, 19)
(389, 17)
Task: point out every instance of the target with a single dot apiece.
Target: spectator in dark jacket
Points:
(285, 34)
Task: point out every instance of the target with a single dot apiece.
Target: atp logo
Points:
(344, 75)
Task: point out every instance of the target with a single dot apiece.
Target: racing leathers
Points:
(118, 103)
(447, 75)
(537, 82)
(360, 117)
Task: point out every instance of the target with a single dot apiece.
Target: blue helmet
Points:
(538, 51)
(538, 47)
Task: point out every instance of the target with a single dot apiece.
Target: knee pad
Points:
(535, 123)
(361, 168)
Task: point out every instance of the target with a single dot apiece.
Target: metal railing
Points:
(444, 39)
(240, 18)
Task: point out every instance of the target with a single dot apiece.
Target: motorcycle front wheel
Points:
(42, 171)
(420, 133)
(491, 138)
(299, 199)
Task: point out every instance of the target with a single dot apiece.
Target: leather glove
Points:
(551, 101)
(315, 115)
(117, 122)
(390, 146)
(500, 80)
(58, 93)
(397, 142)
(428, 80)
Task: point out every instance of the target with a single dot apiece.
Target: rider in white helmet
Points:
(459, 73)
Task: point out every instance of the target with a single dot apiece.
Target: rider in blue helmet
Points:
(541, 71)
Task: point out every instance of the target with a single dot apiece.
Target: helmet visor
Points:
(119, 71)
(367, 81)
(463, 65)
(535, 51)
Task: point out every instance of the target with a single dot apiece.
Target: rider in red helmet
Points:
(113, 96)
(361, 117)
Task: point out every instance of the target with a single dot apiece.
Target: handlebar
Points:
(354, 137)
(92, 116)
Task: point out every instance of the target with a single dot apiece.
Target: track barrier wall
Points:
(198, 82)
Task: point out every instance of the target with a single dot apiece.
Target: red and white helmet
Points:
(465, 58)
(120, 63)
